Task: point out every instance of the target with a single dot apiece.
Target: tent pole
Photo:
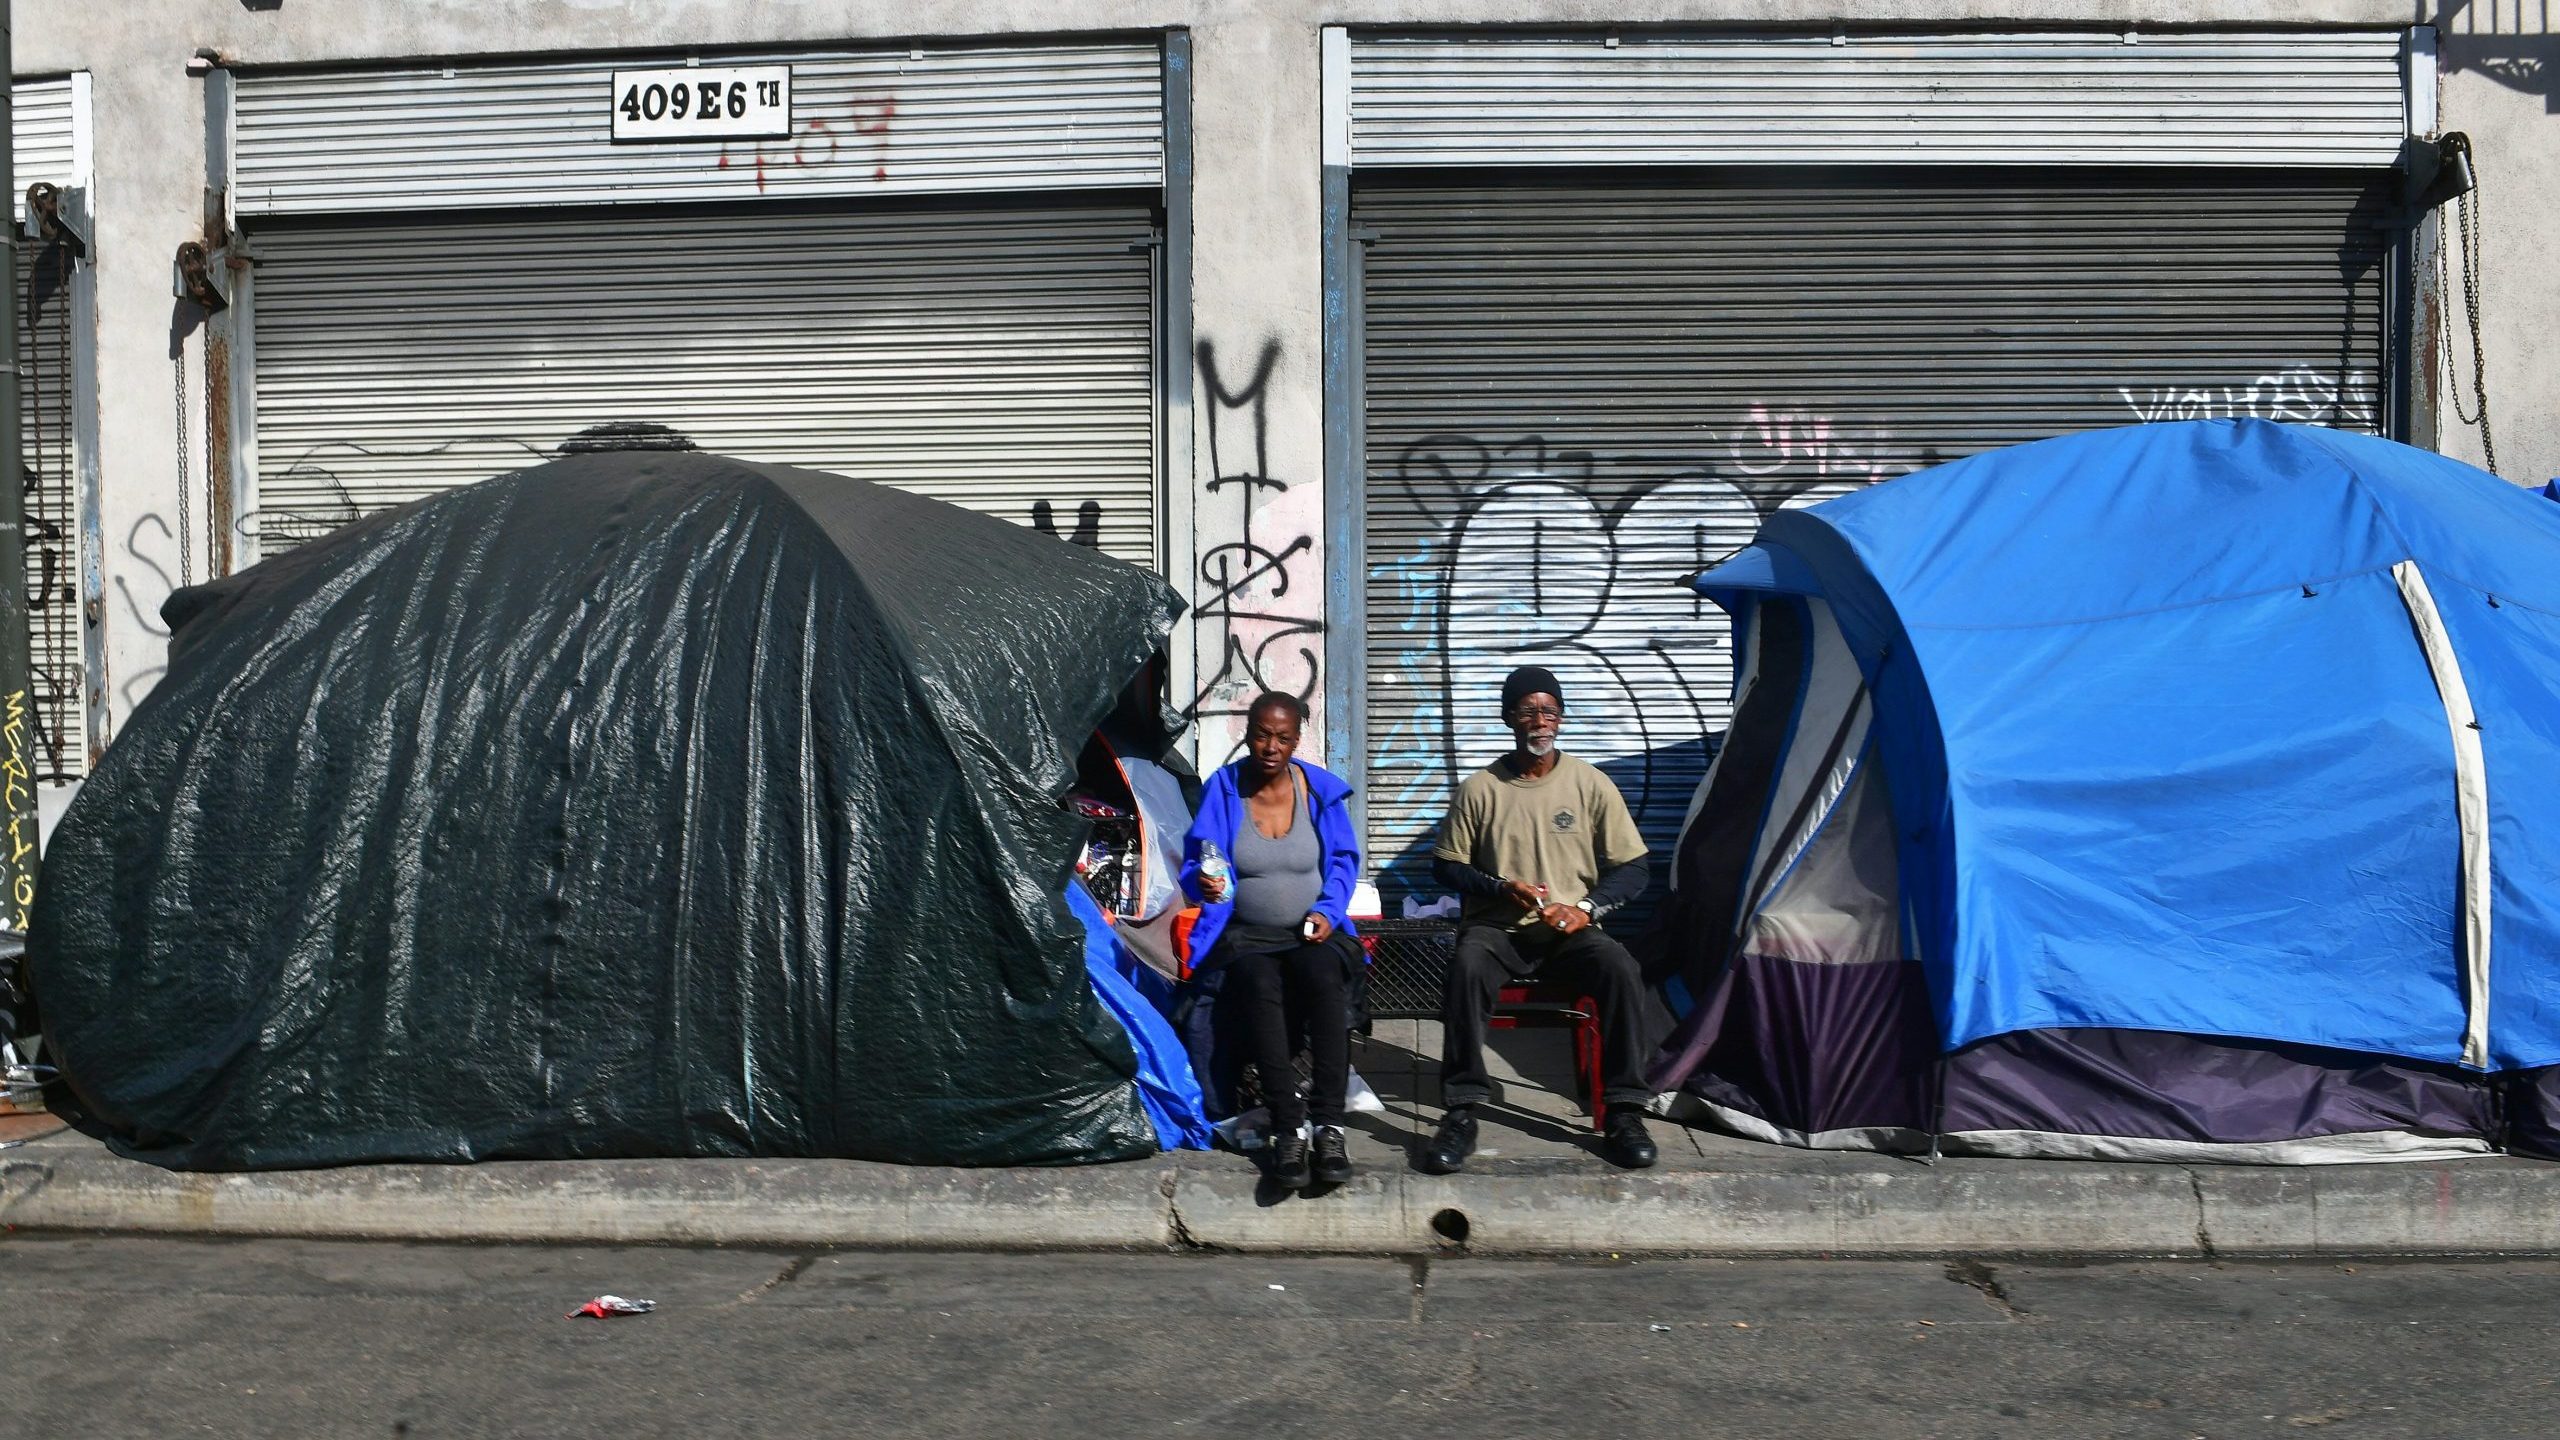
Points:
(1937, 1108)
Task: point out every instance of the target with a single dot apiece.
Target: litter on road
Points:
(605, 1307)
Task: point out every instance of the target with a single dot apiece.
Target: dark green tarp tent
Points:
(635, 804)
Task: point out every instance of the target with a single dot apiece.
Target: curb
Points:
(1861, 1208)
(717, 1202)
(2055, 1208)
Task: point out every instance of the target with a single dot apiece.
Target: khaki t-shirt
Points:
(1560, 830)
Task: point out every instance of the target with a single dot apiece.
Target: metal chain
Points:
(186, 477)
(212, 522)
(2467, 232)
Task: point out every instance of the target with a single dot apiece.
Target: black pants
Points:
(1489, 956)
(1281, 992)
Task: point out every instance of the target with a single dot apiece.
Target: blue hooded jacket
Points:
(1222, 812)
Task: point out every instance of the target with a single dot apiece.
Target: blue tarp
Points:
(2165, 751)
(1165, 1083)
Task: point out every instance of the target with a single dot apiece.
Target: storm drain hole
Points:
(1450, 1225)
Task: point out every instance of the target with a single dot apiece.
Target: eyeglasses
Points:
(1528, 713)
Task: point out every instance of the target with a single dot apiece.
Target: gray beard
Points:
(1537, 749)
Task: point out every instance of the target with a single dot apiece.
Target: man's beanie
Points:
(1526, 681)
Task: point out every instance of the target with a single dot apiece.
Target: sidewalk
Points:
(1536, 1187)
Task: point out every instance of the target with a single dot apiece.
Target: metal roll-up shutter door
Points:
(891, 121)
(1577, 396)
(999, 359)
(45, 122)
(44, 135)
(45, 398)
(2289, 98)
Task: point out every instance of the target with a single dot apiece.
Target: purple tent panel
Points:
(1845, 1056)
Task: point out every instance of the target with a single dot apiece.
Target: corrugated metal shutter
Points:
(2190, 98)
(1000, 359)
(44, 137)
(45, 399)
(45, 147)
(1577, 396)
(887, 122)
(43, 133)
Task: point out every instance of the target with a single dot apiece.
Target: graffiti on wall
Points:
(2297, 393)
(150, 555)
(1260, 601)
(316, 478)
(1527, 551)
(856, 134)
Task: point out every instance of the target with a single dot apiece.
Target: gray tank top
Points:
(1277, 881)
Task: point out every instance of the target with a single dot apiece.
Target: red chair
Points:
(1530, 1004)
(1408, 959)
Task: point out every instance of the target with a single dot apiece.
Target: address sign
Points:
(702, 102)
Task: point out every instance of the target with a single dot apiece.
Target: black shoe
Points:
(1448, 1151)
(1333, 1160)
(1625, 1141)
(1289, 1161)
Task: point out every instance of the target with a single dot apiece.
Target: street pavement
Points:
(130, 1335)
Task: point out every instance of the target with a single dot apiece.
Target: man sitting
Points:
(1540, 846)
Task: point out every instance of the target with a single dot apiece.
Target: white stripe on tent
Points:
(2471, 791)
(2359, 1147)
(2355, 1147)
(1690, 1109)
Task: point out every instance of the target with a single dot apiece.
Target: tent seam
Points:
(2505, 601)
(2222, 599)
(2047, 1020)
(2318, 436)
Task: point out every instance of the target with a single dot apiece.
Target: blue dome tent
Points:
(2186, 791)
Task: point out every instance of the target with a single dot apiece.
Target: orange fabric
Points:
(1183, 920)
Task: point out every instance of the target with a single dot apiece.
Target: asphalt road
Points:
(140, 1336)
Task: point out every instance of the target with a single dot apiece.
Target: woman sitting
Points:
(1282, 832)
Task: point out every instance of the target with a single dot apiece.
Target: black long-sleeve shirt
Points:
(1615, 887)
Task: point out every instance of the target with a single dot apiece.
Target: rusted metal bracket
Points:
(46, 221)
(200, 276)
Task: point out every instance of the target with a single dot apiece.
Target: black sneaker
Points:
(1625, 1141)
(1333, 1158)
(1289, 1161)
(1456, 1140)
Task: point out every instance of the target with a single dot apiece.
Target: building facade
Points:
(1410, 339)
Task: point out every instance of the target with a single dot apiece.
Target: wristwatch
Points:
(1587, 908)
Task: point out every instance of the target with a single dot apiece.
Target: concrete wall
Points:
(2500, 65)
(1258, 398)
